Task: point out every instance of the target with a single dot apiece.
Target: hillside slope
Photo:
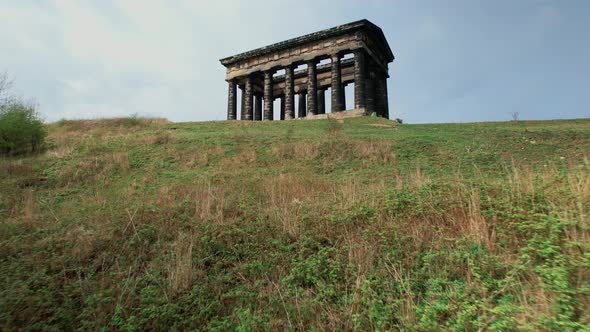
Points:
(364, 224)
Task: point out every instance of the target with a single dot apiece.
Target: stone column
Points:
(302, 112)
(248, 111)
(359, 79)
(257, 107)
(321, 101)
(336, 85)
(386, 99)
(381, 98)
(268, 97)
(370, 93)
(289, 93)
(312, 85)
(283, 107)
(232, 101)
(243, 105)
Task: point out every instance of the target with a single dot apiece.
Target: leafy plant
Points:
(21, 129)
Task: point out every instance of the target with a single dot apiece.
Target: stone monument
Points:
(254, 73)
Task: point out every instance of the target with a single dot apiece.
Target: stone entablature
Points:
(253, 73)
(299, 54)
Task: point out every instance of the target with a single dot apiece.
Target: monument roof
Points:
(374, 30)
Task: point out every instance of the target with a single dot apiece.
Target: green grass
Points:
(131, 224)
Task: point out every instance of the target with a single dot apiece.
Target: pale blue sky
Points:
(456, 61)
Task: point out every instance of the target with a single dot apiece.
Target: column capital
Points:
(313, 62)
(358, 51)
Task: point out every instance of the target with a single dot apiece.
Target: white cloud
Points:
(99, 58)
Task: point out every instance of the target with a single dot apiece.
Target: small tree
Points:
(21, 128)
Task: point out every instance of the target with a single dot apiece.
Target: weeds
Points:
(310, 225)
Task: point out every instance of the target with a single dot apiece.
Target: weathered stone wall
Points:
(320, 49)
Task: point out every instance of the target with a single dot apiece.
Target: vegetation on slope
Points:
(21, 128)
(131, 224)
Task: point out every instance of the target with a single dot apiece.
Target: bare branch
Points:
(5, 86)
(5, 83)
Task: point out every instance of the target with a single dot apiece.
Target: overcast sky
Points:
(456, 61)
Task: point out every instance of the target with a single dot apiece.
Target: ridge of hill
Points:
(134, 224)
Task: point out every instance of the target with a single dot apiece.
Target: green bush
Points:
(21, 129)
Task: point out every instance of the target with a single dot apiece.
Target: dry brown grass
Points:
(245, 155)
(82, 241)
(30, 207)
(201, 157)
(286, 189)
(420, 178)
(209, 202)
(334, 149)
(204, 201)
(361, 254)
(403, 277)
(16, 167)
(372, 151)
(95, 169)
(285, 196)
(297, 151)
(110, 123)
(181, 274)
(158, 138)
(477, 226)
(61, 151)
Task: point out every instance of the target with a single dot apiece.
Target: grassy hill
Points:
(130, 224)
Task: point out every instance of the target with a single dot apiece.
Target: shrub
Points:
(21, 129)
